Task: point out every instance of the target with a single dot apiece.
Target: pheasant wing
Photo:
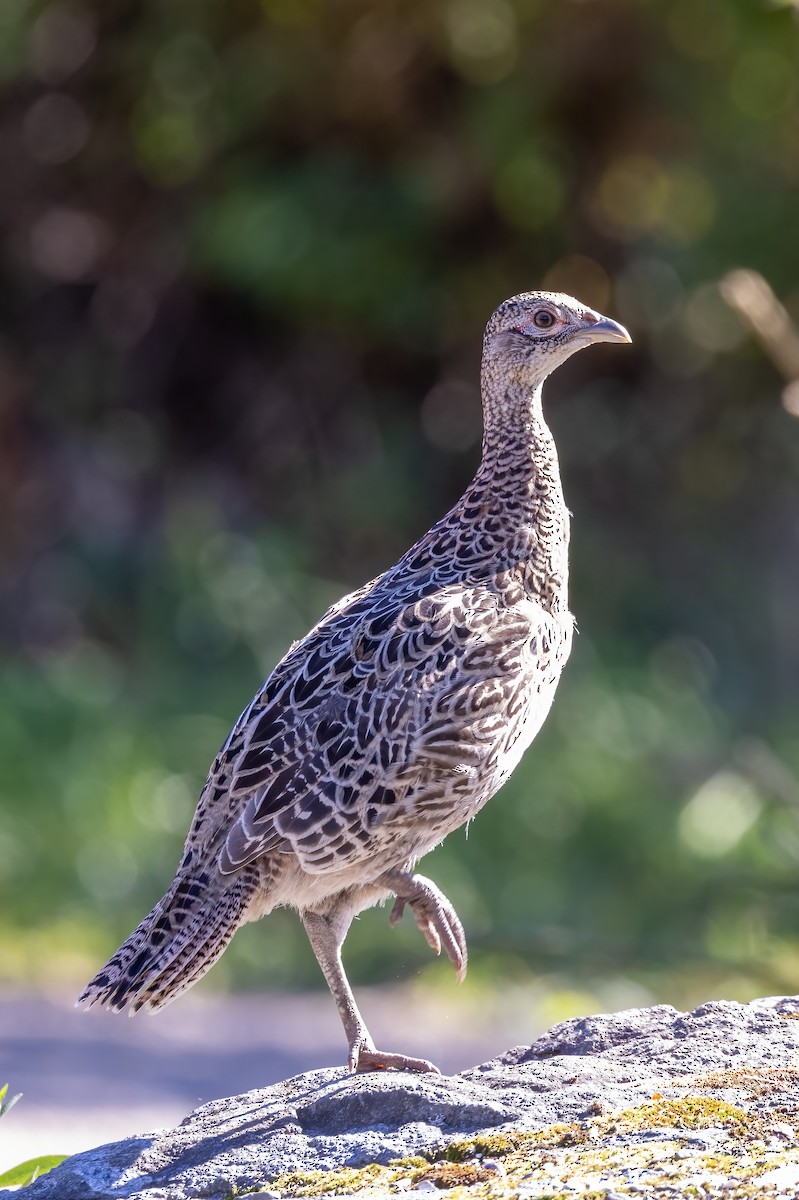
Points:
(359, 725)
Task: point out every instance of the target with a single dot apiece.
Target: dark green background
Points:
(247, 254)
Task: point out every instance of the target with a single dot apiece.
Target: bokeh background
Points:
(247, 254)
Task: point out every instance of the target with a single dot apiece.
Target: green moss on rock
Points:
(602, 1153)
(689, 1112)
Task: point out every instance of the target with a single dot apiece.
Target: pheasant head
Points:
(532, 333)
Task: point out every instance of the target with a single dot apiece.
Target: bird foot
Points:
(435, 916)
(376, 1060)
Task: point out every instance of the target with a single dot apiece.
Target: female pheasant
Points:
(395, 719)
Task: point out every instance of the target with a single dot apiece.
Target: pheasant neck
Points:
(518, 487)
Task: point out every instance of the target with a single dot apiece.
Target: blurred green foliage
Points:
(6, 1105)
(247, 252)
(30, 1171)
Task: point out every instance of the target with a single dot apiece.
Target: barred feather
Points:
(173, 946)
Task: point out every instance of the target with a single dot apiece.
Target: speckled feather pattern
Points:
(401, 713)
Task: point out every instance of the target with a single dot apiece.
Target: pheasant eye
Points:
(543, 319)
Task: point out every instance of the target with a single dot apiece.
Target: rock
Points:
(624, 1103)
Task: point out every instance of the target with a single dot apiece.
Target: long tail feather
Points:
(173, 946)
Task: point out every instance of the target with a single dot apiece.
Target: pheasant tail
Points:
(173, 946)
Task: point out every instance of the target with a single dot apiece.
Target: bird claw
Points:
(436, 918)
(364, 1057)
(376, 1060)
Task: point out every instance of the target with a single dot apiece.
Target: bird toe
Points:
(378, 1060)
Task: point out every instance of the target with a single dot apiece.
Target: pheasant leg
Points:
(326, 935)
(434, 915)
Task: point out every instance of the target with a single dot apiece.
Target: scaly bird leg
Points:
(326, 935)
(434, 915)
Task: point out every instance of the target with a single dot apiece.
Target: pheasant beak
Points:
(597, 328)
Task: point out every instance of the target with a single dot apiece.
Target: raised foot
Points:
(376, 1060)
(435, 916)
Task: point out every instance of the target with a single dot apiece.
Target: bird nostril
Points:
(590, 317)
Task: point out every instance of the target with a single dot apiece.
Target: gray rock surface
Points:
(327, 1119)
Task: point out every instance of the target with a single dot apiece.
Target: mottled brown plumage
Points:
(396, 718)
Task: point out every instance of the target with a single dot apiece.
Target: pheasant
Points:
(395, 719)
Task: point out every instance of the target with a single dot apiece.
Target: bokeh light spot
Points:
(65, 243)
(482, 36)
(718, 815)
(637, 194)
(632, 194)
(55, 129)
(62, 39)
(790, 398)
(170, 144)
